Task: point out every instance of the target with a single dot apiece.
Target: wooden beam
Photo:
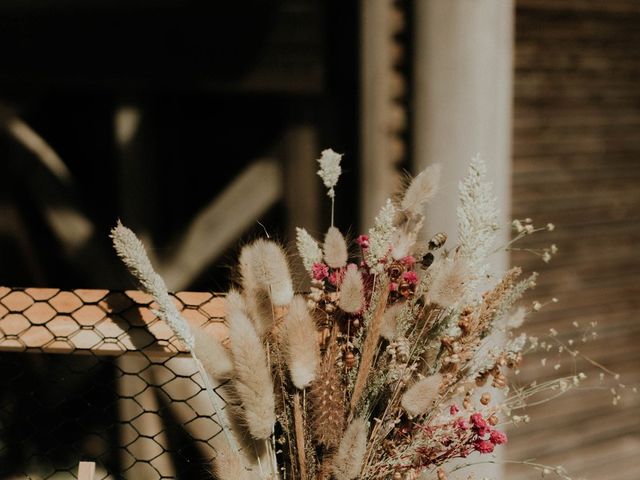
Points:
(221, 222)
(102, 322)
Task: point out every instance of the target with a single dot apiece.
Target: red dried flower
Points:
(483, 446)
(409, 261)
(453, 409)
(363, 241)
(480, 425)
(498, 437)
(410, 277)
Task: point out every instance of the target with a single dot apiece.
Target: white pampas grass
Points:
(252, 377)
(330, 170)
(421, 395)
(215, 358)
(308, 248)
(132, 252)
(335, 248)
(389, 327)
(380, 237)
(421, 189)
(263, 265)
(350, 455)
(352, 291)
(301, 344)
(448, 282)
(477, 217)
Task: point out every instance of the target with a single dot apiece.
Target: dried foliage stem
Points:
(369, 348)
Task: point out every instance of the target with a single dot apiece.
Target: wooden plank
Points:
(100, 321)
(86, 471)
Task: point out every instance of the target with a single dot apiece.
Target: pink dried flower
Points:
(480, 425)
(409, 260)
(498, 437)
(393, 287)
(410, 277)
(335, 277)
(453, 409)
(363, 241)
(483, 446)
(461, 424)
(320, 271)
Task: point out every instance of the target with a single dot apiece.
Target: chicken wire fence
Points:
(96, 375)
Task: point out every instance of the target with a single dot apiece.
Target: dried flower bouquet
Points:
(390, 367)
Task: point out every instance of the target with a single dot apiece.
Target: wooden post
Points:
(86, 471)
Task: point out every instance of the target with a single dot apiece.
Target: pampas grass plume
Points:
(263, 265)
(350, 455)
(302, 350)
(421, 395)
(421, 189)
(352, 291)
(335, 248)
(252, 378)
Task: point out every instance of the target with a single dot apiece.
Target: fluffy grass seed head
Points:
(263, 265)
(335, 248)
(352, 291)
(301, 344)
(308, 249)
(421, 396)
(421, 189)
(348, 460)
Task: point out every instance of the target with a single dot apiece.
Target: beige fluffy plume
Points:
(449, 281)
(352, 291)
(335, 248)
(421, 189)
(388, 329)
(348, 459)
(228, 465)
(215, 358)
(263, 265)
(252, 377)
(421, 395)
(302, 350)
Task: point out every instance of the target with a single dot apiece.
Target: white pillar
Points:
(463, 98)
(463, 104)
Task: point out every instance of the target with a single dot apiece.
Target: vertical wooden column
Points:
(463, 98)
(383, 117)
(463, 107)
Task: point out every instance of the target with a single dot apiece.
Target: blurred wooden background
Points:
(576, 161)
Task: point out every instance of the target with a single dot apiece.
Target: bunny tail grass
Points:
(421, 189)
(352, 291)
(215, 358)
(263, 265)
(348, 460)
(252, 377)
(335, 248)
(421, 395)
(302, 351)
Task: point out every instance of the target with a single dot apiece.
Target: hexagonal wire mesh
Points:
(96, 375)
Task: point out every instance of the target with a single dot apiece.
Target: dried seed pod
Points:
(349, 359)
(499, 381)
(437, 241)
(485, 398)
(481, 379)
(493, 420)
(427, 260)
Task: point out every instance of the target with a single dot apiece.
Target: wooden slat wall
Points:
(577, 164)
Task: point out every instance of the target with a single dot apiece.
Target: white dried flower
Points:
(308, 249)
(551, 227)
(477, 217)
(380, 236)
(330, 170)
